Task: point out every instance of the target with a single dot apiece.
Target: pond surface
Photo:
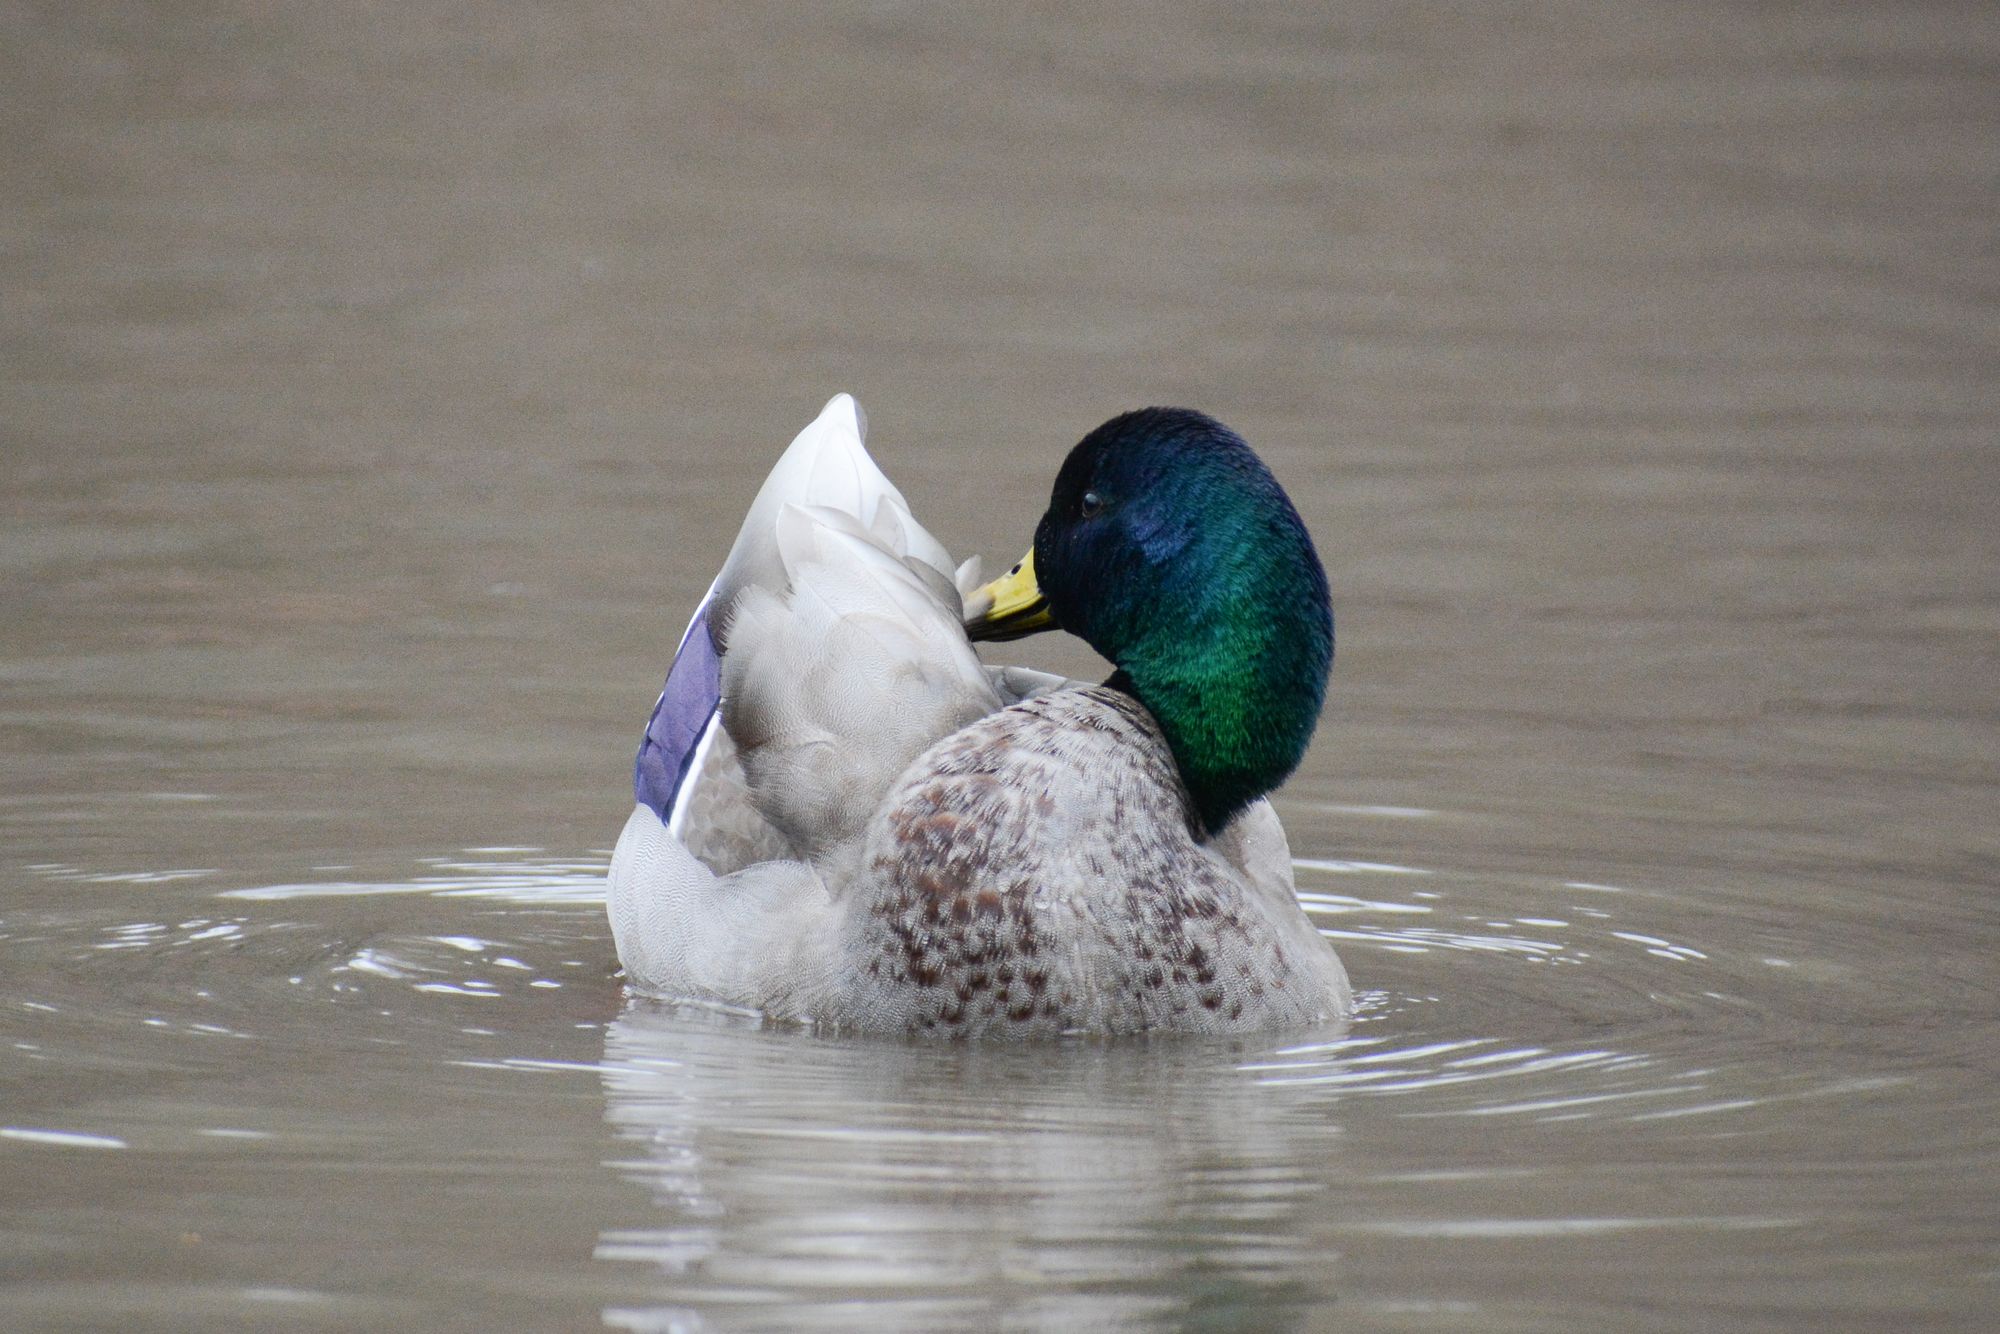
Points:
(380, 390)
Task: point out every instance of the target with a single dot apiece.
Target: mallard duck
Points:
(843, 818)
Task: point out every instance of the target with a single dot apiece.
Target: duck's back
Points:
(1037, 872)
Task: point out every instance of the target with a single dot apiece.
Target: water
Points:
(379, 392)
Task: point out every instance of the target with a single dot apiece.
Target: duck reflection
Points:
(807, 1182)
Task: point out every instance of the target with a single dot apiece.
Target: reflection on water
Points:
(1087, 1186)
(1104, 1185)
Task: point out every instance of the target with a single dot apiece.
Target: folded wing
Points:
(826, 656)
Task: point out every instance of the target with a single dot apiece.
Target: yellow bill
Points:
(1010, 607)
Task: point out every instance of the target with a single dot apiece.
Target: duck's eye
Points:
(1091, 506)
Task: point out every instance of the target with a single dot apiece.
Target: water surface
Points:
(380, 390)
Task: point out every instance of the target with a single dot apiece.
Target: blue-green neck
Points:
(1180, 559)
(1236, 689)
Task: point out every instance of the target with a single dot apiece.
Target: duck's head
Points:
(1170, 549)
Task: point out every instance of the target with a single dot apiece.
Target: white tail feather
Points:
(825, 465)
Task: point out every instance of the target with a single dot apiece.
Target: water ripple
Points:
(528, 876)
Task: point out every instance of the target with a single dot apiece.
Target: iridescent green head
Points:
(1170, 549)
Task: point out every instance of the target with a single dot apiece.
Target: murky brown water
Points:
(380, 386)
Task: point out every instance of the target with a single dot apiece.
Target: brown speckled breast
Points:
(1037, 872)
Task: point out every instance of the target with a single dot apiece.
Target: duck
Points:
(844, 819)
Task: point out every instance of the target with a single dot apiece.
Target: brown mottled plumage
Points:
(985, 905)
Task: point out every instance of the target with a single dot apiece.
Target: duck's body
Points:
(845, 819)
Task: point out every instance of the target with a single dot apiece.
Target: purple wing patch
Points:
(693, 689)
